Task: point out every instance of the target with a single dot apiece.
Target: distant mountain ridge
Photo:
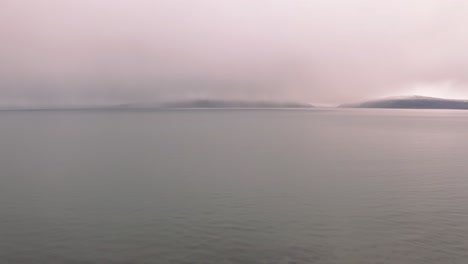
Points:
(411, 102)
(401, 102)
(207, 103)
(201, 103)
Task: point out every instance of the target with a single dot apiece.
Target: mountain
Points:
(202, 103)
(412, 102)
(206, 103)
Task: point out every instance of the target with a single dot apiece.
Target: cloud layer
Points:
(97, 51)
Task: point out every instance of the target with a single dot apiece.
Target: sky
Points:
(320, 51)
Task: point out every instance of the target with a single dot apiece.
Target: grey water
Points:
(234, 186)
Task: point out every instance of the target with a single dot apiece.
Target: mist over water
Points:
(148, 179)
(66, 52)
(234, 186)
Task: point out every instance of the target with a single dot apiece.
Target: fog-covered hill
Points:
(412, 102)
(234, 104)
(202, 103)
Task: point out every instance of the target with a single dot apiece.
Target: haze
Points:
(326, 51)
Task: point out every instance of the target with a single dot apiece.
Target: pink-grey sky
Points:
(327, 51)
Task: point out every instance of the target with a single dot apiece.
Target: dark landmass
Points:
(234, 104)
(412, 102)
(176, 104)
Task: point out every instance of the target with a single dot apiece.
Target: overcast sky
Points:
(327, 51)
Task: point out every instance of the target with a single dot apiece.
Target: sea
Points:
(234, 186)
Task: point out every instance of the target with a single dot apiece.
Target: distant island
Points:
(411, 102)
(201, 103)
(207, 103)
(402, 102)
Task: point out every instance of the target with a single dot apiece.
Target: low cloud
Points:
(331, 51)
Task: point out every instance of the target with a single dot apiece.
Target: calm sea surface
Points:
(234, 186)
